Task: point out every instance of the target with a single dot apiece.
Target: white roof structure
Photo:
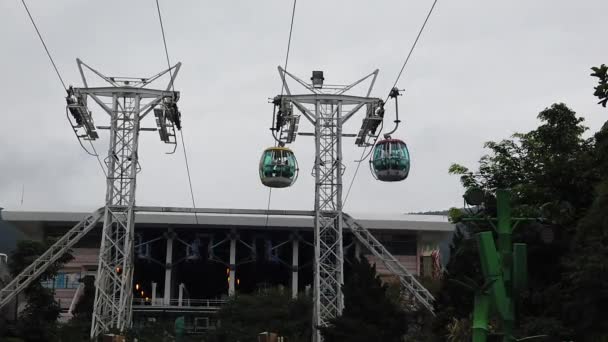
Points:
(231, 218)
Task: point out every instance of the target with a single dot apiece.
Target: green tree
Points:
(245, 316)
(585, 284)
(586, 275)
(454, 303)
(38, 321)
(552, 171)
(601, 90)
(369, 314)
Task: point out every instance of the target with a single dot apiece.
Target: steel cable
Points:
(407, 58)
(181, 131)
(293, 14)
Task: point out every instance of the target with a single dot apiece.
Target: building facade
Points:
(188, 264)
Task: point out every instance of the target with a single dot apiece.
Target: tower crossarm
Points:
(346, 100)
(406, 278)
(127, 91)
(48, 258)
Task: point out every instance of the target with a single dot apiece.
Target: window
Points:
(399, 244)
(63, 280)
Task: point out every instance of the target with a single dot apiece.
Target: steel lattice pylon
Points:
(327, 108)
(113, 295)
(131, 101)
(329, 254)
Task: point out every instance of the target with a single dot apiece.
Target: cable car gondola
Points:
(278, 167)
(390, 161)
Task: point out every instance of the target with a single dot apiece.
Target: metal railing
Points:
(207, 303)
(406, 278)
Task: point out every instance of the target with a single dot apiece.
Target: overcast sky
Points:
(482, 71)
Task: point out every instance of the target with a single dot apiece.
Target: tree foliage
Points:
(369, 314)
(38, 321)
(245, 316)
(553, 171)
(585, 284)
(601, 90)
(585, 287)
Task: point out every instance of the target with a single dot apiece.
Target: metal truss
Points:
(327, 108)
(329, 254)
(131, 100)
(408, 281)
(48, 258)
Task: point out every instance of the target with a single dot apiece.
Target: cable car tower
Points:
(130, 101)
(327, 108)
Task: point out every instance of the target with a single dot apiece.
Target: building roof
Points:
(184, 217)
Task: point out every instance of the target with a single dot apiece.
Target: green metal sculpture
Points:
(504, 267)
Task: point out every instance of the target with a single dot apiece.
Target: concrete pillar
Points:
(418, 254)
(168, 269)
(232, 274)
(294, 267)
(181, 295)
(154, 293)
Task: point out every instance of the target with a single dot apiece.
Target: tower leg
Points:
(329, 253)
(114, 292)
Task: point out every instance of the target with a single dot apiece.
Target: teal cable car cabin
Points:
(278, 167)
(390, 160)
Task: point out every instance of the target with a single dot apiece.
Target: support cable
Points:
(98, 159)
(48, 53)
(44, 45)
(293, 14)
(407, 58)
(162, 30)
(350, 186)
(361, 159)
(188, 171)
(181, 131)
(413, 47)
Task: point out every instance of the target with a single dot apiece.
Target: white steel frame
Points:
(328, 108)
(131, 101)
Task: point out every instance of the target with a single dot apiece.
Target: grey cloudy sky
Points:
(482, 71)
